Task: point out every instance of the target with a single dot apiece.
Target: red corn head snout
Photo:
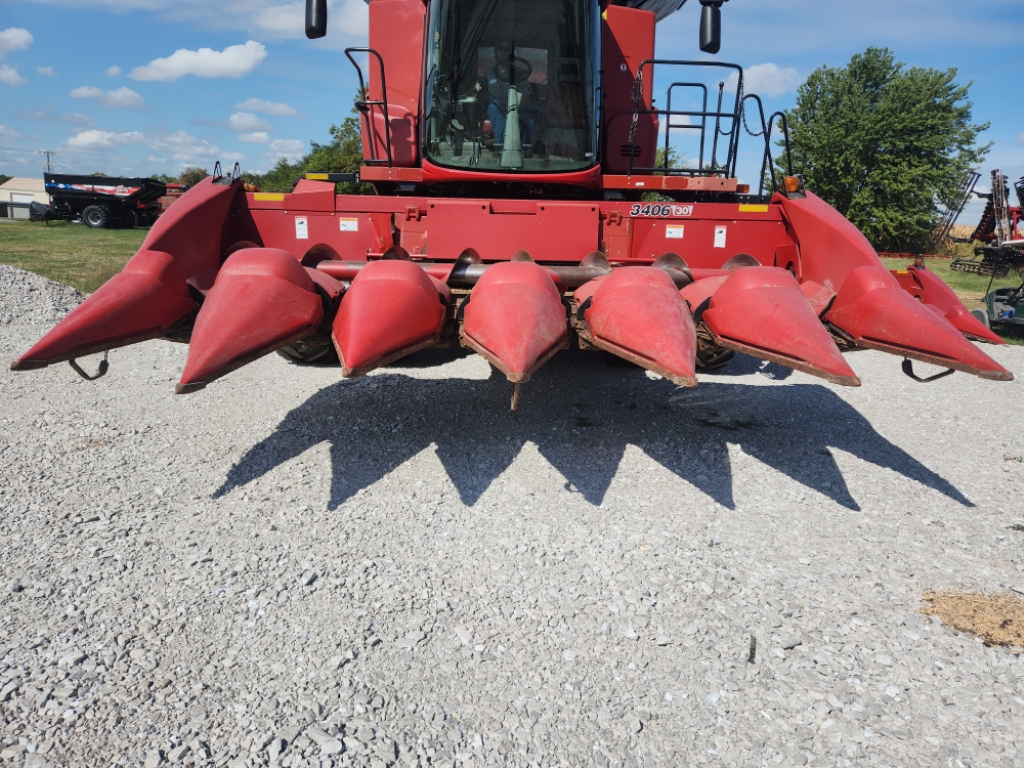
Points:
(877, 313)
(515, 318)
(392, 309)
(262, 300)
(638, 314)
(143, 302)
(762, 312)
(940, 298)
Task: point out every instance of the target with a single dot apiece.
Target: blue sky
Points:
(142, 86)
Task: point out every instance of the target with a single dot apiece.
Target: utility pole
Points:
(48, 154)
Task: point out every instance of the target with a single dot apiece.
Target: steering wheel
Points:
(523, 70)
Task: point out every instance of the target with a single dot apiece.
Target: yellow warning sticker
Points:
(270, 197)
(753, 209)
(317, 176)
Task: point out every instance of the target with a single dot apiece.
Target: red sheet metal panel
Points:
(707, 242)
(396, 33)
(262, 300)
(627, 39)
(142, 302)
(516, 318)
(761, 311)
(351, 235)
(496, 230)
(392, 309)
(638, 314)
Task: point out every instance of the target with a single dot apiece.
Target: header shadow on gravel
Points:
(581, 415)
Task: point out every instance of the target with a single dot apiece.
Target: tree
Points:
(883, 143)
(165, 178)
(192, 175)
(4, 178)
(343, 155)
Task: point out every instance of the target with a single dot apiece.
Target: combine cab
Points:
(522, 208)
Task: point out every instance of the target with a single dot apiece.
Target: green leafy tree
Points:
(4, 178)
(192, 175)
(344, 154)
(165, 178)
(883, 143)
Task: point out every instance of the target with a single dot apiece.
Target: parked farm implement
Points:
(521, 209)
(103, 202)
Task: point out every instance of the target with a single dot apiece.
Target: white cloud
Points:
(282, 19)
(257, 137)
(184, 146)
(268, 107)
(48, 71)
(348, 17)
(122, 98)
(77, 118)
(10, 76)
(234, 61)
(8, 134)
(14, 39)
(247, 121)
(351, 17)
(113, 71)
(48, 113)
(287, 146)
(765, 80)
(93, 139)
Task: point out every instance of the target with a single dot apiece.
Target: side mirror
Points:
(710, 26)
(316, 19)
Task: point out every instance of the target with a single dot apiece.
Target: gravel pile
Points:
(287, 569)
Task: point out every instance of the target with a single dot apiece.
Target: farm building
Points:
(16, 194)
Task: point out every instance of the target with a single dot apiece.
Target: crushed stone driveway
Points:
(288, 569)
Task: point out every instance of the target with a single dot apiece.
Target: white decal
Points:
(674, 231)
(682, 210)
(719, 237)
(301, 228)
(348, 225)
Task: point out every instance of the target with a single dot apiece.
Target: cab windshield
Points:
(511, 84)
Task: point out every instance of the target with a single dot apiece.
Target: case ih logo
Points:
(658, 209)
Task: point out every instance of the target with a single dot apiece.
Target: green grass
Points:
(71, 254)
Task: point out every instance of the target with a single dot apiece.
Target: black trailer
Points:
(104, 201)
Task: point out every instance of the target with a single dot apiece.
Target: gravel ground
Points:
(290, 569)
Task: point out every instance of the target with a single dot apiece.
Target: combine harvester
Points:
(521, 209)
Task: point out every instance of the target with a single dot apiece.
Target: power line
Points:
(47, 154)
(990, 66)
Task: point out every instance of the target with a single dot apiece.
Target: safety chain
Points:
(638, 94)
